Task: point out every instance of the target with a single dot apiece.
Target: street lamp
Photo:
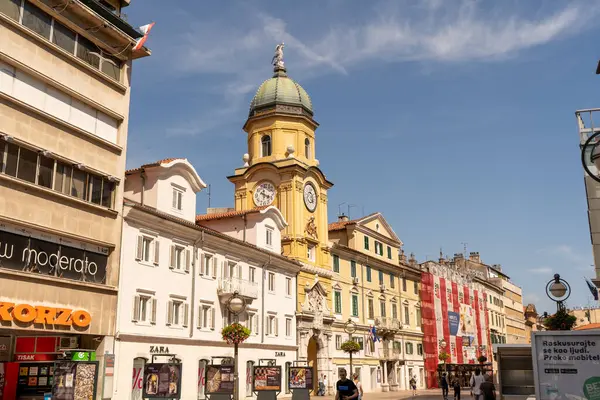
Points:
(558, 290)
(236, 305)
(350, 328)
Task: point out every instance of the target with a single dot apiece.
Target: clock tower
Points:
(281, 169)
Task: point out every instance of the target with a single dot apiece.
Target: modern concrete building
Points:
(588, 124)
(177, 276)
(376, 287)
(65, 74)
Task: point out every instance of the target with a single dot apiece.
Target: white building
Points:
(177, 276)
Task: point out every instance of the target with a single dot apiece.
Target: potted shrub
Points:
(350, 346)
(235, 333)
(561, 321)
(443, 357)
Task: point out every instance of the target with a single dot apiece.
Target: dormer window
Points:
(265, 145)
(177, 199)
(307, 147)
(269, 237)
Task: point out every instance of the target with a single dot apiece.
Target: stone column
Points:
(384, 381)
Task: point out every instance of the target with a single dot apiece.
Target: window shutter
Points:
(255, 324)
(136, 309)
(212, 319)
(224, 269)
(140, 249)
(267, 326)
(187, 260)
(169, 312)
(239, 271)
(276, 322)
(156, 251)
(153, 317)
(174, 198)
(172, 261)
(186, 309)
(214, 268)
(202, 262)
(199, 321)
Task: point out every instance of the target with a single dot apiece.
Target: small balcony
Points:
(387, 324)
(244, 288)
(389, 354)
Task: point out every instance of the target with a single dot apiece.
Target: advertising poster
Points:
(466, 321)
(453, 322)
(75, 380)
(566, 365)
(219, 379)
(162, 381)
(300, 378)
(267, 378)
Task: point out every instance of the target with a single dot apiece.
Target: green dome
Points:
(280, 89)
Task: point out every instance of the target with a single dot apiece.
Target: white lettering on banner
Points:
(65, 263)
(25, 357)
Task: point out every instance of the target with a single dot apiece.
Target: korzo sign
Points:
(28, 254)
(27, 314)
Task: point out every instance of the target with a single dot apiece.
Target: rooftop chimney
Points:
(342, 218)
(474, 256)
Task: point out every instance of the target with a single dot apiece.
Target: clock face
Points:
(264, 194)
(310, 197)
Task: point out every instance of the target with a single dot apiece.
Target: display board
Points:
(219, 379)
(162, 381)
(75, 380)
(566, 365)
(35, 378)
(267, 378)
(300, 378)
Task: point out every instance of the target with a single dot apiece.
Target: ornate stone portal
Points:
(314, 322)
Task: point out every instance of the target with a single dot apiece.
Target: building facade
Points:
(177, 277)
(516, 332)
(455, 317)
(375, 288)
(533, 321)
(281, 169)
(64, 105)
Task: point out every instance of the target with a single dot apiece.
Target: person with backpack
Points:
(476, 381)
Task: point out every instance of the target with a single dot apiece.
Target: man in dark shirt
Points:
(345, 388)
(444, 385)
(487, 389)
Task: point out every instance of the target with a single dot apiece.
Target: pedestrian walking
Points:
(413, 385)
(456, 387)
(488, 390)
(345, 389)
(358, 386)
(475, 383)
(444, 385)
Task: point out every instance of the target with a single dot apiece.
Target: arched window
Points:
(266, 145)
(307, 147)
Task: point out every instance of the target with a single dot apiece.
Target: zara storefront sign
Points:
(566, 364)
(21, 250)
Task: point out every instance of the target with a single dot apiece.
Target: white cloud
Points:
(541, 270)
(427, 31)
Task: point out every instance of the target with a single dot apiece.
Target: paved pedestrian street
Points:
(402, 394)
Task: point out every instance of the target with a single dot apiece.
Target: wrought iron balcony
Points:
(247, 289)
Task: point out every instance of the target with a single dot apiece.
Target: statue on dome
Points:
(278, 57)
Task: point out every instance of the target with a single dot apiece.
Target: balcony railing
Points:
(389, 354)
(227, 286)
(387, 323)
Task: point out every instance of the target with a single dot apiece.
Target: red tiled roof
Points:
(227, 214)
(586, 327)
(154, 164)
(339, 225)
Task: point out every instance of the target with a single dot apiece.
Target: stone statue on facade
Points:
(278, 57)
(311, 227)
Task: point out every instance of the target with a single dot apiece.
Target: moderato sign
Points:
(28, 314)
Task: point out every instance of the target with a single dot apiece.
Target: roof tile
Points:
(154, 164)
(227, 214)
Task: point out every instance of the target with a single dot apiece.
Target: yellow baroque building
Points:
(281, 169)
(374, 286)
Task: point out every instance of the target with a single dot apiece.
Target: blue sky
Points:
(454, 118)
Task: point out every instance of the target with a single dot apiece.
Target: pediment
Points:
(377, 223)
(336, 286)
